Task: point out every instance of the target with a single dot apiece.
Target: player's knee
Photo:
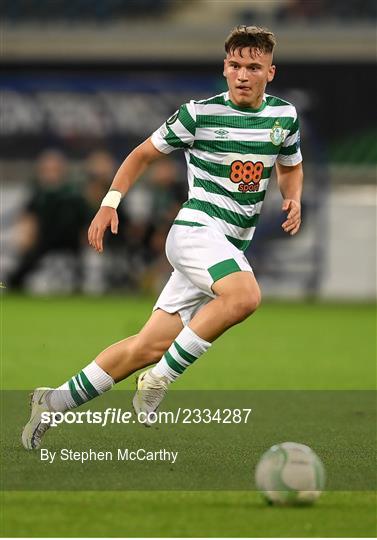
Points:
(243, 305)
(244, 308)
(143, 353)
(256, 300)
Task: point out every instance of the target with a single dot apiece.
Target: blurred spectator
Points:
(109, 273)
(168, 191)
(99, 168)
(151, 207)
(52, 220)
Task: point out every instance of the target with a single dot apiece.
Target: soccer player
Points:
(231, 142)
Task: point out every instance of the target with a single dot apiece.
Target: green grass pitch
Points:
(283, 346)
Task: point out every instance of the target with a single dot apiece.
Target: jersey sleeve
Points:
(290, 153)
(178, 131)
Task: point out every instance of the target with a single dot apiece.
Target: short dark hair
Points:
(253, 37)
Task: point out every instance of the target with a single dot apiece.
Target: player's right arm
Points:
(130, 170)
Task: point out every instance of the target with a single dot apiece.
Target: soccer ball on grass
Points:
(289, 474)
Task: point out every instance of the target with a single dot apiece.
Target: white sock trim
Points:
(61, 398)
(162, 369)
(173, 364)
(198, 338)
(98, 377)
(191, 342)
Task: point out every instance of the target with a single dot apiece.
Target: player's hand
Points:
(105, 217)
(293, 208)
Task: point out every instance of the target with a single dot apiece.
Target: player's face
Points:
(247, 72)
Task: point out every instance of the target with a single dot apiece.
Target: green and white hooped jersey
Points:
(230, 152)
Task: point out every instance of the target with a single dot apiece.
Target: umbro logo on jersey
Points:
(221, 134)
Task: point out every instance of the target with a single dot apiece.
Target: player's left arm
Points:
(290, 180)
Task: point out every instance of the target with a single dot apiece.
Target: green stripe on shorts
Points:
(223, 268)
(187, 223)
(240, 244)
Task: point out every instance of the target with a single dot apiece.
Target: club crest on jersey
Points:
(277, 134)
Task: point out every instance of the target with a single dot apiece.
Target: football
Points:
(290, 473)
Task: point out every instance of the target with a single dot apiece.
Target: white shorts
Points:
(200, 256)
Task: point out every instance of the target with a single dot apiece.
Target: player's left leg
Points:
(111, 366)
(145, 348)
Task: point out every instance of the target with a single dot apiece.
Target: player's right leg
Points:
(215, 270)
(111, 366)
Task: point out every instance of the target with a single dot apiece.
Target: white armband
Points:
(112, 199)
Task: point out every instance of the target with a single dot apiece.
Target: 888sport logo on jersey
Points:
(247, 174)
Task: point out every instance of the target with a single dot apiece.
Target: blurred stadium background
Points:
(85, 81)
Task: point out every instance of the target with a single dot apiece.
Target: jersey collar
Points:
(244, 109)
